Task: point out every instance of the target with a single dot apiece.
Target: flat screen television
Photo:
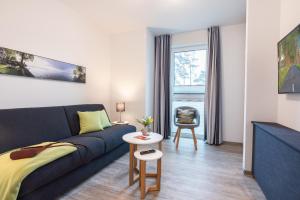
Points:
(289, 63)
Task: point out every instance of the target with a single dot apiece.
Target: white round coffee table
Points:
(130, 138)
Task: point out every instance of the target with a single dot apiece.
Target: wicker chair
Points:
(186, 126)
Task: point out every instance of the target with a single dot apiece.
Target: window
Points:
(189, 67)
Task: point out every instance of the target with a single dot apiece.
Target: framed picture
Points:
(18, 63)
(289, 63)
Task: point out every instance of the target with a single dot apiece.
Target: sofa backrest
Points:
(72, 116)
(27, 126)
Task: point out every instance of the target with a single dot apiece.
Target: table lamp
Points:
(120, 107)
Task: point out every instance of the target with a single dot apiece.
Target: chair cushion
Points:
(28, 126)
(90, 147)
(112, 136)
(185, 116)
(72, 116)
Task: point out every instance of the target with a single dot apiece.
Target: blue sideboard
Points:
(276, 160)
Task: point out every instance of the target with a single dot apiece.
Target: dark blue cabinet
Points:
(276, 160)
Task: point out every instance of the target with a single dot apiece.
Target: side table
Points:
(133, 142)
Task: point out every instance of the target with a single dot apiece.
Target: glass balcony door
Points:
(188, 73)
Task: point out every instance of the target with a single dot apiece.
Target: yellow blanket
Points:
(13, 172)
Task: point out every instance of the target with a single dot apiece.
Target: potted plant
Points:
(146, 122)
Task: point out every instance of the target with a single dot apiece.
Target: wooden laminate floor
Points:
(211, 173)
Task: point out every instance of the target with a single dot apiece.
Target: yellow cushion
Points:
(104, 119)
(89, 122)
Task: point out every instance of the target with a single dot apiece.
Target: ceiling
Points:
(161, 15)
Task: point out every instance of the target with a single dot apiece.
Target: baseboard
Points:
(233, 143)
(188, 135)
(247, 173)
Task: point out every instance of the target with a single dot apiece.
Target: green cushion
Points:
(104, 119)
(89, 122)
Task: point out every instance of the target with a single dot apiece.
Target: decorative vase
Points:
(145, 131)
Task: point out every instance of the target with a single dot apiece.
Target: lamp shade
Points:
(120, 107)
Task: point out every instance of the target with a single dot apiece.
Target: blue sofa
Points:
(276, 160)
(28, 126)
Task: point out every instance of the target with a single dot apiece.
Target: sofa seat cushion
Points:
(50, 172)
(112, 136)
(89, 147)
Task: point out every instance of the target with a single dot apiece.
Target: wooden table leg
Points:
(160, 145)
(140, 175)
(142, 178)
(158, 177)
(134, 159)
(131, 163)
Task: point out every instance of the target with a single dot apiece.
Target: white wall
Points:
(50, 29)
(131, 69)
(262, 34)
(233, 59)
(189, 38)
(289, 104)
(150, 51)
(233, 81)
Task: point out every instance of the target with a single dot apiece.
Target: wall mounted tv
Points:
(289, 63)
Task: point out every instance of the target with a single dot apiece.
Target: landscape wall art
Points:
(289, 63)
(18, 63)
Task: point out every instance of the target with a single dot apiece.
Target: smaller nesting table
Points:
(133, 142)
(142, 179)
